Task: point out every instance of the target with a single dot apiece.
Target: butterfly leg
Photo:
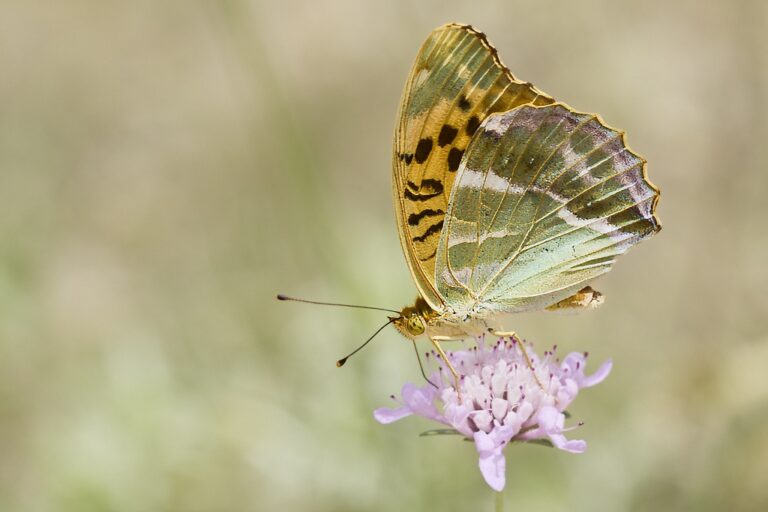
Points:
(436, 342)
(513, 335)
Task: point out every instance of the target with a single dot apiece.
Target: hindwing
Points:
(545, 199)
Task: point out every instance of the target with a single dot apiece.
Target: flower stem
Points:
(499, 501)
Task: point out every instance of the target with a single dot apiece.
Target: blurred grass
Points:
(166, 168)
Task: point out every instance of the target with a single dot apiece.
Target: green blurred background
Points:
(167, 167)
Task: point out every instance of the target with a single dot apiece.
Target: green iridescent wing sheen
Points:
(545, 199)
(456, 81)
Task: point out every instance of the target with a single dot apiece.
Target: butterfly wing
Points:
(455, 83)
(545, 200)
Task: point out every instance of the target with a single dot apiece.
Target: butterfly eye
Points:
(415, 325)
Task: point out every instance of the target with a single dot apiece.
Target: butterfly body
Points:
(421, 321)
(506, 200)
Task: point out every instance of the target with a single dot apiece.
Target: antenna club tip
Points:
(341, 362)
(280, 296)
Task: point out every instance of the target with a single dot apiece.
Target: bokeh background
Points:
(167, 167)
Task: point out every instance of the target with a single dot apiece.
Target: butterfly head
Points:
(413, 320)
(410, 323)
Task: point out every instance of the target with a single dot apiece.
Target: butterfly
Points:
(506, 200)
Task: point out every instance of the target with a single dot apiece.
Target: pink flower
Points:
(501, 400)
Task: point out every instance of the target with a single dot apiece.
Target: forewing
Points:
(455, 83)
(545, 200)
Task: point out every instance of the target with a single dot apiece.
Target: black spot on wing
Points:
(428, 256)
(454, 158)
(406, 157)
(447, 134)
(428, 189)
(431, 185)
(434, 228)
(414, 218)
(472, 125)
(464, 103)
(423, 149)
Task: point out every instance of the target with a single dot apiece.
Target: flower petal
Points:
(484, 443)
(499, 408)
(524, 412)
(456, 415)
(502, 434)
(492, 463)
(573, 445)
(566, 394)
(483, 419)
(574, 364)
(421, 400)
(599, 376)
(551, 423)
(548, 419)
(385, 416)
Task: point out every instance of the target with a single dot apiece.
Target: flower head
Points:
(501, 398)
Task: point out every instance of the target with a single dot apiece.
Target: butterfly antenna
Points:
(343, 360)
(294, 299)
